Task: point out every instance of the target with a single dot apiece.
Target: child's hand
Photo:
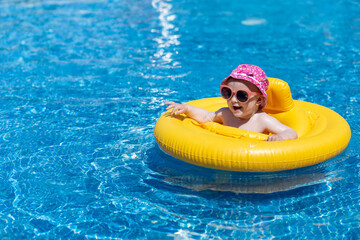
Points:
(288, 134)
(275, 137)
(177, 108)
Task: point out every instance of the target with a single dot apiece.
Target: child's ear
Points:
(260, 100)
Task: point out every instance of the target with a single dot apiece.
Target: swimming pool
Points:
(82, 83)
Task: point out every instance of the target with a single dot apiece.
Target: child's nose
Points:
(234, 99)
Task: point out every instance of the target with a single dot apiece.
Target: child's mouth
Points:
(237, 108)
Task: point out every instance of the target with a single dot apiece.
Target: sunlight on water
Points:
(253, 21)
(168, 38)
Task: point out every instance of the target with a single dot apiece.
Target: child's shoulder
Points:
(222, 115)
(264, 117)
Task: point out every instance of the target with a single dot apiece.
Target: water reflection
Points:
(173, 172)
(167, 38)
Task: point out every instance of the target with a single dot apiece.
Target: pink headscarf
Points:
(253, 74)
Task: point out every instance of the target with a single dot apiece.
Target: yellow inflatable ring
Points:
(322, 133)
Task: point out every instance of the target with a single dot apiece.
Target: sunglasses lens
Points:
(242, 96)
(226, 92)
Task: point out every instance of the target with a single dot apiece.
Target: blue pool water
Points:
(82, 83)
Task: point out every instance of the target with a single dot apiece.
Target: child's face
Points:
(240, 109)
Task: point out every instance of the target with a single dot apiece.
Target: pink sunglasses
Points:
(242, 95)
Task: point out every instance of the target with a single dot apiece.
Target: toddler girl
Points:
(245, 92)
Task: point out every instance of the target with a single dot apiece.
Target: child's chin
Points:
(237, 113)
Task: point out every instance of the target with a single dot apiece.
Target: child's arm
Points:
(280, 131)
(198, 114)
